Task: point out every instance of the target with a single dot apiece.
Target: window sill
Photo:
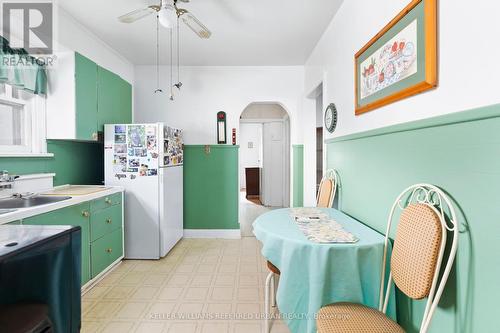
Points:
(42, 155)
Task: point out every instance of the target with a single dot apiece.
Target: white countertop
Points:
(23, 213)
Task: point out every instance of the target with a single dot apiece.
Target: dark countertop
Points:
(16, 239)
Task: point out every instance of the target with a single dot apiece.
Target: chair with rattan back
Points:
(327, 189)
(426, 216)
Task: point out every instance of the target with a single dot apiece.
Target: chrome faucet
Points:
(6, 180)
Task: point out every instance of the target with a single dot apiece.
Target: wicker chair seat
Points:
(355, 318)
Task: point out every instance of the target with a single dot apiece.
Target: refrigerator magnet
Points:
(120, 129)
(120, 138)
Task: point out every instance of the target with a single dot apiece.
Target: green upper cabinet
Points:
(114, 99)
(82, 97)
(85, 98)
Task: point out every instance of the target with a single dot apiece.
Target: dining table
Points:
(314, 274)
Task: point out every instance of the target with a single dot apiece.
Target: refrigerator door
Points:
(171, 208)
(131, 161)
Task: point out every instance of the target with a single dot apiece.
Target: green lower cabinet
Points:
(77, 215)
(105, 221)
(106, 250)
(105, 202)
(14, 223)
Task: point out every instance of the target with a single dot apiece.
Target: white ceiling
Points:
(244, 32)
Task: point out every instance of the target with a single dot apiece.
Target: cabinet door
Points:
(86, 98)
(114, 99)
(77, 215)
(106, 250)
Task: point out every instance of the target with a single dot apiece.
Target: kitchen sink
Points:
(14, 202)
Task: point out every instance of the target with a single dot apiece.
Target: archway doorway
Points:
(264, 168)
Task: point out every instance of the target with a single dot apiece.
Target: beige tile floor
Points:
(201, 286)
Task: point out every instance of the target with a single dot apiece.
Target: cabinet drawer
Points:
(104, 221)
(104, 202)
(105, 251)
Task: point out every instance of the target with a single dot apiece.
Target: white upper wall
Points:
(74, 36)
(207, 90)
(467, 37)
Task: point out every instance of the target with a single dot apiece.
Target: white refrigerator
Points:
(146, 159)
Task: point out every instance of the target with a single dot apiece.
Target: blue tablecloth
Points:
(314, 275)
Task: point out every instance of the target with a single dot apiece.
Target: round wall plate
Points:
(331, 118)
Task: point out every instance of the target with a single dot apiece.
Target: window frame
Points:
(34, 118)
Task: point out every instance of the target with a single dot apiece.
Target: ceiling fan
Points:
(168, 13)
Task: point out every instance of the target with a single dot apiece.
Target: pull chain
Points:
(179, 83)
(158, 55)
(171, 65)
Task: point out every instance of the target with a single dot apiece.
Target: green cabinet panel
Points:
(76, 215)
(114, 99)
(211, 187)
(106, 250)
(105, 202)
(104, 221)
(298, 175)
(86, 98)
(14, 223)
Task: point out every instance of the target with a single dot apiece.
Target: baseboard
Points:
(212, 233)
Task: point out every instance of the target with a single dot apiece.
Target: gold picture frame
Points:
(401, 58)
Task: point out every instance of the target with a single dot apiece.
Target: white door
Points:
(273, 164)
(250, 148)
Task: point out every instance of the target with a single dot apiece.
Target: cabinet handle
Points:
(108, 221)
(107, 200)
(109, 250)
(85, 213)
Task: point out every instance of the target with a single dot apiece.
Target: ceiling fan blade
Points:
(194, 24)
(136, 15)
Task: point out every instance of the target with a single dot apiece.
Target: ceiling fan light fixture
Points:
(167, 16)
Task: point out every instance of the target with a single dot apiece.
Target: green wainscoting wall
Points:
(211, 187)
(459, 153)
(298, 175)
(74, 162)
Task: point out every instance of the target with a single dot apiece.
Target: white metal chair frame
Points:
(435, 198)
(270, 288)
(332, 175)
(269, 299)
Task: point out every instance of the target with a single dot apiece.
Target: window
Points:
(22, 122)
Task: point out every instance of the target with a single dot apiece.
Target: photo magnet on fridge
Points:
(133, 163)
(121, 149)
(137, 136)
(120, 129)
(120, 138)
(151, 142)
(143, 170)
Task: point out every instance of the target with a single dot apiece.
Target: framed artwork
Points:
(400, 61)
